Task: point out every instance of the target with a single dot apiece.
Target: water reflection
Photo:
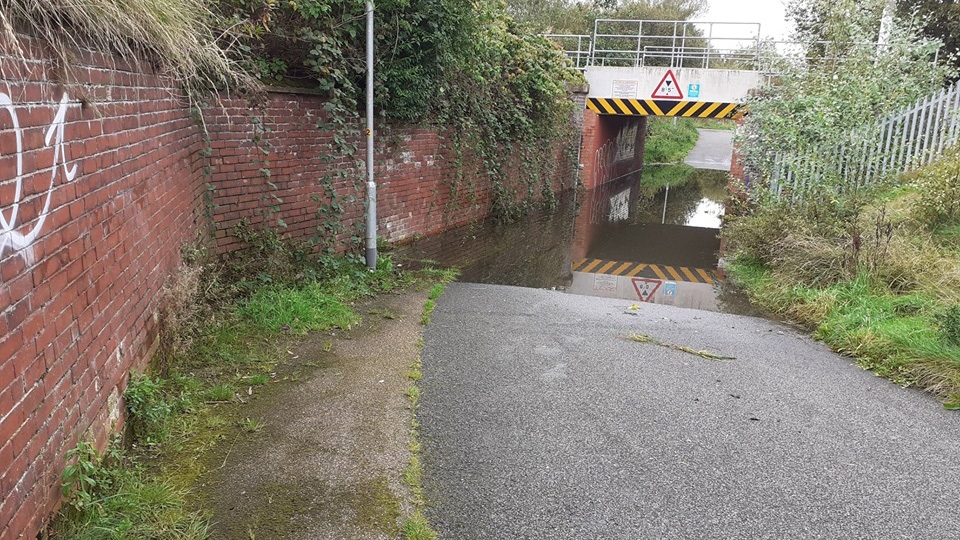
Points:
(690, 197)
(533, 252)
(632, 238)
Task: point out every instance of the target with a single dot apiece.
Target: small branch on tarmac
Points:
(643, 338)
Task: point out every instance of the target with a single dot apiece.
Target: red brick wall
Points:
(415, 171)
(602, 135)
(603, 175)
(79, 276)
(78, 279)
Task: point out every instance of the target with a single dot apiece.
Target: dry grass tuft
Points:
(178, 309)
(177, 35)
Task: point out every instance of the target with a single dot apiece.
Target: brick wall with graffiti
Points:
(612, 156)
(98, 191)
(102, 182)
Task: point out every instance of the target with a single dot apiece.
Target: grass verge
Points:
(185, 423)
(416, 526)
(879, 282)
(669, 140)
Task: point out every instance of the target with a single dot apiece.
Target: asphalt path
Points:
(540, 420)
(714, 150)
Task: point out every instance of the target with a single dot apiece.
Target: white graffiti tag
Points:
(17, 241)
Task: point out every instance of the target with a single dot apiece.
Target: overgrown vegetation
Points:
(876, 279)
(183, 36)
(494, 88)
(576, 17)
(218, 356)
(111, 496)
(872, 269)
(816, 103)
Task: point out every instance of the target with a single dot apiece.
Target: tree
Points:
(576, 17)
(941, 20)
(816, 105)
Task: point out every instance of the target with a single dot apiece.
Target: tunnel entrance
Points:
(643, 237)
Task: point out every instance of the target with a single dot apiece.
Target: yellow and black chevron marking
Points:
(665, 107)
(653, 271)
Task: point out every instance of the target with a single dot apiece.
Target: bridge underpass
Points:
(618, 238)
(634, 241)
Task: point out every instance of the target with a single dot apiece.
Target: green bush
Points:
(148, 406)
(938, 188)
(669, 140)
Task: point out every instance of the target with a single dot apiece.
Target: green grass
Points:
(191, 411)
(668, 143)
(221, 392)
(120, 500)
(416, 527)
(258, 380)
(432, 297)
(297, 310)
(436, 291)
(413, 392)
(895, 335)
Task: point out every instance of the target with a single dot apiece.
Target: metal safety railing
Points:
(692, 44)
(907, 139)
(639, 43)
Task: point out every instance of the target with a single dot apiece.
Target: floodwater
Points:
(622, 240)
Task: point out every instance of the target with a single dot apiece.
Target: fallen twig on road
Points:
(643, 338)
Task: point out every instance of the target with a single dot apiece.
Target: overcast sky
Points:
(769, 13)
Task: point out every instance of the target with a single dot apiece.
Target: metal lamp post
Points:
(371, 236)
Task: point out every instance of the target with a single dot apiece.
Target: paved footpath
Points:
(541, 421)
(714, 150)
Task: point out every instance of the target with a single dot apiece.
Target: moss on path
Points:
(328, 461)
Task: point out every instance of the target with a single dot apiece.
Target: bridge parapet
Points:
(633, 64)
(672, 44)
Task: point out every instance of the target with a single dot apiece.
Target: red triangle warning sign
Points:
(668, 88)
(646, 288)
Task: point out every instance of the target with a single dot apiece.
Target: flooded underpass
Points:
(644, 239)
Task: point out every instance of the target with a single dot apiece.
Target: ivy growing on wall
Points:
(494, 90)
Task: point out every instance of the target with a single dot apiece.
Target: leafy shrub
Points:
(814, 105)
(148, 407)
(87, 476)
(938, 187)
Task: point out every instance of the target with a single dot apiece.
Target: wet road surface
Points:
(541, 421)
(714, 150)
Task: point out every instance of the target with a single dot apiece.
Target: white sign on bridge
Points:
(725, 86)
(625, 89)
